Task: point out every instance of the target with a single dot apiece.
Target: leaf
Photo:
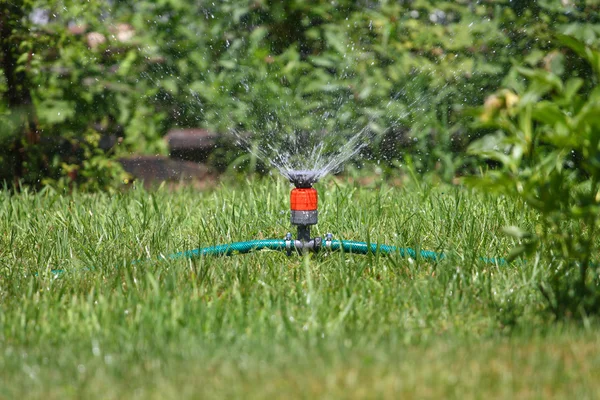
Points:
(516, 252)
(572, 86)
(55, 111)
(545, 81)
(516, 232)
(335, 40)
(576, 45)
(492, 142)
(585, 52)
(127, 63)
(323, 61)
(548, 112)
(238, 13)
(534, 57)
(589, 115)
(170, 85)
(561, 136)
(258, 35)
(227, 64)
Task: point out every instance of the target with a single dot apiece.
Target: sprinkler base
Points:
(306, 245)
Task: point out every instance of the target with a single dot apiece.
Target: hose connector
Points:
(302, 246)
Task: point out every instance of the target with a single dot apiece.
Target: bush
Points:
(56, 102)
(126, 72)
(547, 149)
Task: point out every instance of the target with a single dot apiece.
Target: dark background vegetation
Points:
(83, 83)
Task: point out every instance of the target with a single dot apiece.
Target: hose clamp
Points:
(328, 239)
(317, 244)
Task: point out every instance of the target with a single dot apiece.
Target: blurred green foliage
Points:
(77, 75)
(547, 145)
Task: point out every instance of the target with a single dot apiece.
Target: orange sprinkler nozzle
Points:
(303, 199)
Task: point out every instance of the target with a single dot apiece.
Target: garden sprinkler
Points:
(303, 202)
(304, 211)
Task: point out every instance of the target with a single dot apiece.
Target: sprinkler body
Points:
(304, 201)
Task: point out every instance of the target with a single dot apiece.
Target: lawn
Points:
(265, 325)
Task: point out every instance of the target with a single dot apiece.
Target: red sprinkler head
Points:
(304, 199)
(303, 203)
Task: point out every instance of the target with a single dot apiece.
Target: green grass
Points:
(265, 325)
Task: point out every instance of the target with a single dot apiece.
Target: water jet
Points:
(304, 162)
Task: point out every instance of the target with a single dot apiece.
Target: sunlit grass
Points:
(263, 324)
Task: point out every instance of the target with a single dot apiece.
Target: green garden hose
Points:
(232, 248)
(280, 244)
(364, 248)
(345, 246)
